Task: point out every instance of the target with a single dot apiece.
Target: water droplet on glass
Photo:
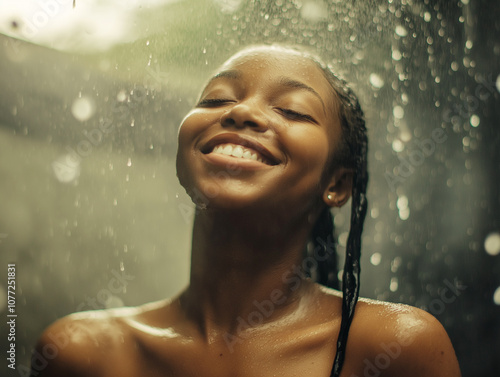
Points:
(492, 244)
(83, 108)
(498, 83)
(468, 44)
(129, 162)
(427, 17)
(121, 96)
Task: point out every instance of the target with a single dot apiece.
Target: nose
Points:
(244, 115)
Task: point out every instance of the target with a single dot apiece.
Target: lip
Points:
(244, 142)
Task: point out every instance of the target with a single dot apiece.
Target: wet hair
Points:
(352, 154)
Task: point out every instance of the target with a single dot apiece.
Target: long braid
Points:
(350, 279)
(323, 242)
(353, 123)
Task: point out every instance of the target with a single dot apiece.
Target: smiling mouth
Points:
(241, 152)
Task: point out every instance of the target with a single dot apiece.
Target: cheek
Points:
(310, 148)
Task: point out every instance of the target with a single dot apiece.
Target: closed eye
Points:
(213, 102)
(294, 115)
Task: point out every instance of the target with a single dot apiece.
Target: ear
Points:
(339, 188)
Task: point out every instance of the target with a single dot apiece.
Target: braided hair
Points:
(352, 154)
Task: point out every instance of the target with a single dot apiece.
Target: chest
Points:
(258, 356)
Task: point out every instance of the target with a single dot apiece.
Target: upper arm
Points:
(66, 348)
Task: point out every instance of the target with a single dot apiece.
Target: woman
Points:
(275, 141)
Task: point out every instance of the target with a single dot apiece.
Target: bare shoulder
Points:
(85, 344)
(399, 340)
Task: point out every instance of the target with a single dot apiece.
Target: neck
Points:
(243, 271)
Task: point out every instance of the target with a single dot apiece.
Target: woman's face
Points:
(261, 134)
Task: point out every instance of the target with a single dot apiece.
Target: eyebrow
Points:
(290, 83)
(231, 74)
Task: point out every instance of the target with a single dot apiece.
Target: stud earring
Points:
(329, 197)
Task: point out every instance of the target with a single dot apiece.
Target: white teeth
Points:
(237, 151)
(247, 154)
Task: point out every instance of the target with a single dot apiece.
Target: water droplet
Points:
(398, 112)
(396, 55)
(394, 284)
(492, 244)
(474, 120)
(129, 162)
(343, 238)
(398, 146)
(83, 108)
(376, 81)
(401, 31)
(402, 202)
(314, 11)
(404, 214)
(427, 17)
(67, 167)
(498, 83)
(454, 66)
(468, 44)
(496, 296)
(375, 259)
(121, 96)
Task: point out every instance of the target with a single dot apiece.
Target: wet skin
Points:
(248, 310)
